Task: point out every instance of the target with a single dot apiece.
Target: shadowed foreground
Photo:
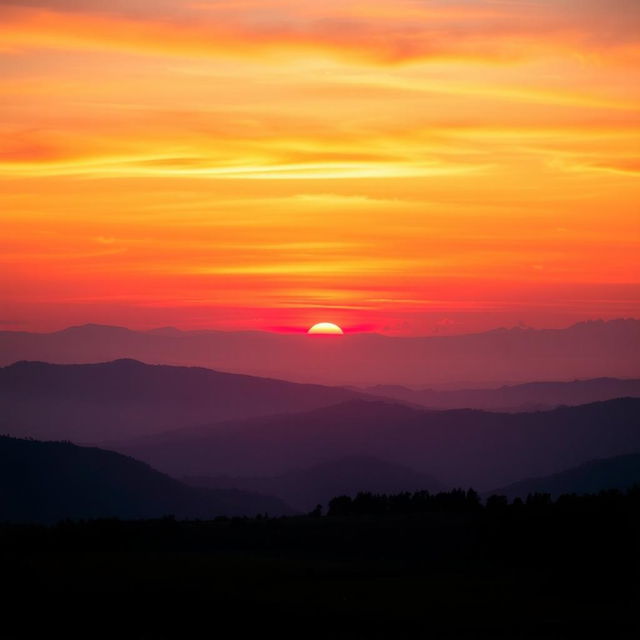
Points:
(446, 566)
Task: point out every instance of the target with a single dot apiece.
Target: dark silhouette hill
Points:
(584, 350)
(438, 567)
(306, 488)
(125, 398)
(459, 447)
(516, 398)
(51, 481)
(618, 472)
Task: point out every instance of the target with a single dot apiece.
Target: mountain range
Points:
(515, 398)
(502, 356)
(306, 443)
(125, 398)
(52, 481)
(458, 447)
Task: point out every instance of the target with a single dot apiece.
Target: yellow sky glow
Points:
(412, 166)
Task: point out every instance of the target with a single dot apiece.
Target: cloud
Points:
(610, 22)
(628, 166)
(128, 7)
(392, 33)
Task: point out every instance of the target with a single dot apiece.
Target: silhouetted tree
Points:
(497, 503)
(340, 506)
(539, 500)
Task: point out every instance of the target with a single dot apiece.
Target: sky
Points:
(412, 167)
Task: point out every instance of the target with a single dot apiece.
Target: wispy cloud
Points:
(257, 161)
(394, 33)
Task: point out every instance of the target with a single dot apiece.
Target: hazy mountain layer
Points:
(459, 448)
(585, 350)
(122, 399)
(523, 397)
(50, 481)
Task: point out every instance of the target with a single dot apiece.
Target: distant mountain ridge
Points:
(585, 350)
(51, 481)
(126, 398)
(458, 447)
(618, 472)
(516, 398)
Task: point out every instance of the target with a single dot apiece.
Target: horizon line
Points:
(300, 330)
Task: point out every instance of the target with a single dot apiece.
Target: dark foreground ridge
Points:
(303, 489)
(439, 566)
(50, 481)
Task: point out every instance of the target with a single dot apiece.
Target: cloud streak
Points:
(254, 163)
(468, 31)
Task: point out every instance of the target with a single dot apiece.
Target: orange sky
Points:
(408, 166)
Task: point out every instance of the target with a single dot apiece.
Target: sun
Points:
(326, 329)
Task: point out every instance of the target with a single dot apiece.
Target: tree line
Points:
(469, 501)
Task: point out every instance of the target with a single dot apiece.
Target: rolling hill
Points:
(515, 398)
(122, 399)
(618, 472)
(51, 481)
(458, 447)
(306, 488)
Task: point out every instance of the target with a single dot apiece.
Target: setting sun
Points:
(326, 328)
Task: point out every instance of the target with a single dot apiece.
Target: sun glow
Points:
(326, 329)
